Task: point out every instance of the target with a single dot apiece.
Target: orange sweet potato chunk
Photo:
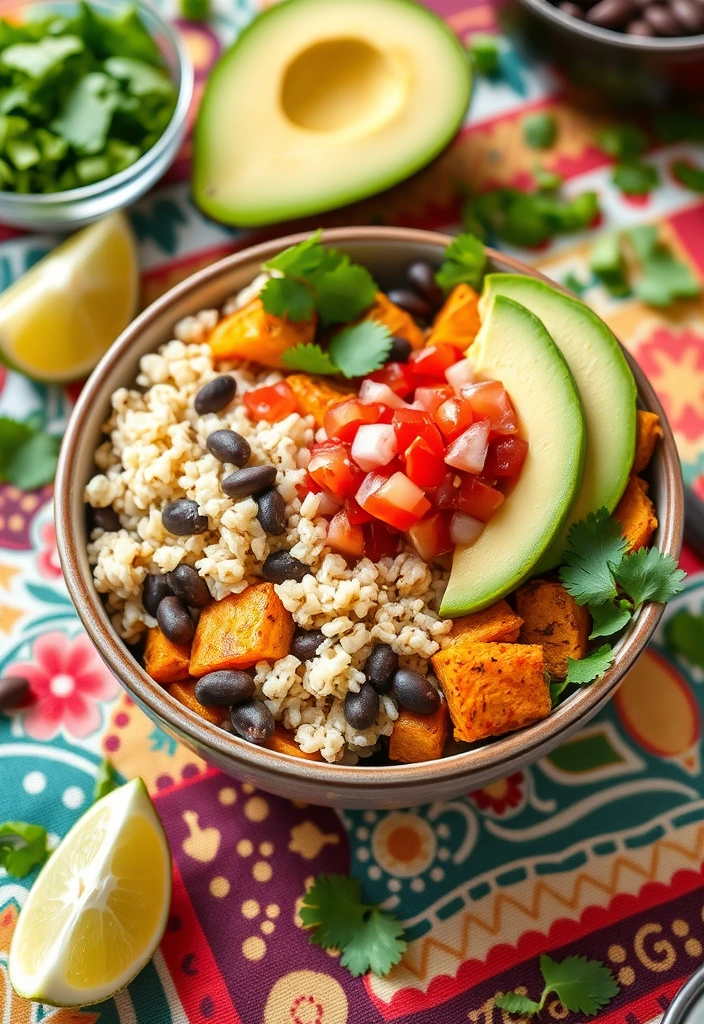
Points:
(241, 630)
(553, 619)
(252, 333)
(419, 737)
(636, 514)
(315, 396)
(184, 693)
(648, 430)
(498, 622)
(165, 661)
(400, 323)
(284, 743)
(458, 321)
(492, 688)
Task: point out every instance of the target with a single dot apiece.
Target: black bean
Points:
(662, 20)
(380, 667)
(281, 566)
(216, 394)
(13, 690)
(400, 351)
(175, 621)
(421, 274)
(271, 511)
(225, 688)
(689, 14)
(640, 28)
(106, 519)
(414, 692)
(305, 643)
(189, 586)
(229, 446)
(574, 10)
(252, 480)
(154, 590)
(182, 518)
(610, 13)
(253, 721)
(362, 708)
(412, 303)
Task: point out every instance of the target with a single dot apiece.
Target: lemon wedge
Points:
(99, 907)
(60, 317)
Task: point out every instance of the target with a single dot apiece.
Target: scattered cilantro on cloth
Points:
(105, 780)
(22, 847)
(28, 455)
(547, 181)
(583, 986)
(635, 178)
(464, 261)
(690, 176)
(685, 635)
(622, 141)
(485, 53)
(368, 938)
(664, 278)
(539, 130)
(607, 262)
(527, 218)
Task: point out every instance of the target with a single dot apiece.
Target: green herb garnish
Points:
(485, 54)
(622, 141)
(547, 181)
(583, 986)
(368, 938)
(606, 261)
(28, 455)
(528, 218)
(635, 178)
(689, 175)
(586, 670)
(105, 780)
(664, 278)
(310, 359)
(685, 635)
(22, 847)
(575, 284)
(595, 545)
(677, 125)
(463, 262)
(539, 130)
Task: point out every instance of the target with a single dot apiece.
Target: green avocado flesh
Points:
(322, 102)
(606, 388)
(513, 347)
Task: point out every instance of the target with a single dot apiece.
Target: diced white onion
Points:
(460, 374)
(328, 504)
(464, 529)
(374, 445)
(468, 451)
(372, 391)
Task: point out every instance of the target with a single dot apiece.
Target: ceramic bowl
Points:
(386, 251)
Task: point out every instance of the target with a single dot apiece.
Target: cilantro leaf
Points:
(484, 51)
(22, 847)
(606, 261)
(594, 545)
(635, 178)
(586, 670)
(539, 130)
(690, 176)
(369, 939)
(310, 359)
(528, 219)
(287, 297)
(38, 60)
(105, 780)
(142, 79)
(514, 1002)
(463, 262)
(547, 181)
(623, 141)
(664, 277)
(556, 691)
(298, 260)
(360, 348)
(609, 617)
(86, 115)
(343, 291)
(575, 284)
(28, 456)
(584, 986)
(648, 575)
(676, 125)
(685, 635)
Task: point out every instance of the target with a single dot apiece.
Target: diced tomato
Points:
(333, 470)
(431, 536)
(380, 541)
(453, 417)
(386, 415)
(431, 399)
(471, 496)
(423, 466)
(505, 457)
(307, 486)
(489, 401)
(397, 501)
(411, 424)
(343, 420)
(433, 360)
(272, 403)
(345, 537)
(397, 376)
(468, 451)
(355, 513)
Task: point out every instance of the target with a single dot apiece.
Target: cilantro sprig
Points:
(368, 938)
(463, 262)
(28, 455)
(23, 847)
(354, 351)
(583, 986)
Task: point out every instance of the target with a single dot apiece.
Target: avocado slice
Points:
(320, 103)
(513, 346)
(606, 388)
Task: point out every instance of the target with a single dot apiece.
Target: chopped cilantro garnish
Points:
(685, 635)
(22, 847)
(690, 176)
(594, 546)
(484, 51)
(28, 455)
(360, 348)
(649, 575)
(581, 985)
(622, 141)
(464, 261)
(589, 668)
(368, 938)
(528, 218)
(105, 780)
(635, 178)
(664, 278)
(285, 296)
(539, 130)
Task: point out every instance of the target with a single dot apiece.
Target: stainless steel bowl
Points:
(387, 252)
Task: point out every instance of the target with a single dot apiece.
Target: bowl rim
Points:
(643, 44)
(49, 200)
(399, 778)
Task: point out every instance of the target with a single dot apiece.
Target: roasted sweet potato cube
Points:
(458, 321)
(648, 430)
(498, 622)
(316, 396)
(494, 688)
(165, 661)
(184, 693)
(400, 323)
(284, 743)
(636, 514)
(252, 333)
(553, 619)
(241, 630)
(419, 737)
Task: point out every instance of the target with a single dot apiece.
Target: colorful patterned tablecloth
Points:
(597, 849)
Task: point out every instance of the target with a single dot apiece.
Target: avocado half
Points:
(513, 346)
(322, 102)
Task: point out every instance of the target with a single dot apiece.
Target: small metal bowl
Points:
(386, 252)
(64, 211)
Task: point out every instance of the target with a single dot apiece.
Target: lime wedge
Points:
(99, 907)
(60, 317)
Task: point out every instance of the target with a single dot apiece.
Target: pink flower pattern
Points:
(48, 555)
(67, 680)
